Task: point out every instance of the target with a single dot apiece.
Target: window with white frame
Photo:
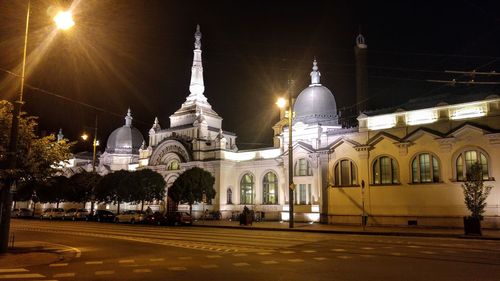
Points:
(385, 171)
(246, 188)
(345, 173)
(270, 188)
(425, 168)
(303, 168)
(466, 159)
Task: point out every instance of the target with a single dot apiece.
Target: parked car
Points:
(179, 218)
(21, 213)
(131, 216)
(156, 218)
(101, 215)
(52, 213)
(75, 214)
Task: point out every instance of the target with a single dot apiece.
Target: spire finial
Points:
(60, 135)
(315, 74)
(197, 36)
(128, 118)
(156, 122)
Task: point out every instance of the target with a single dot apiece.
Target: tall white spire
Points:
(197, 87)
(315, 74)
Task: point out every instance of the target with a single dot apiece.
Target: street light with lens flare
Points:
(64, 20)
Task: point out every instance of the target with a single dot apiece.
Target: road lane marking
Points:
(320, 259)
(428, 252)
(157, 259)
(64, 275)
(366, 256)
(264, 253)
(213, 256)
(241, 264)
(295, 260)
(269, 262)
(104, 272)
(344, 257)
(9, 270)
(177, 268)
(21, 276)
(58, 264)
(414, 246)
(338, 250)
(126, 261)
(309, 251)
(93, 262)
(142, 270)
(287, 252)
(367, 248)
(240, 255)
(208, 266)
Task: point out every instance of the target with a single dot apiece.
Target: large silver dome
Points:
(315, 104)
(126, 139)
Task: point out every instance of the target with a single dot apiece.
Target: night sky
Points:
(139, 54)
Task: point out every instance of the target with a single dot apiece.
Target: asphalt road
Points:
(137, 252)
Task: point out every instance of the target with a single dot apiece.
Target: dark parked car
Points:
(101, 215)
(179, 218)
(156, 218)
(21, 213)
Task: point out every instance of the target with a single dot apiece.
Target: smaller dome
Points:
(315, 104)
(126, 139)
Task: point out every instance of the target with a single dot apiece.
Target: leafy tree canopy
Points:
(194, 185)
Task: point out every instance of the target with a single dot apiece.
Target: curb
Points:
(354, 232)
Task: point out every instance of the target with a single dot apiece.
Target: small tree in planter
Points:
(475, 194)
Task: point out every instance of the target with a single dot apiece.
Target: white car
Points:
(52, 213)
(75, 214)
(131, 216)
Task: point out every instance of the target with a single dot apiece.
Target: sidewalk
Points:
(348, 229)
(30, 253)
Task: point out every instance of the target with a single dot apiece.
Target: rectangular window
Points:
(425, 168)
(385, 170)
(302, 194)
(344, 174)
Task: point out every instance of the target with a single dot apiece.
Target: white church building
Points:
(402, 166)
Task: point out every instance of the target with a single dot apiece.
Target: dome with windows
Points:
(316, 103)
(126, 139)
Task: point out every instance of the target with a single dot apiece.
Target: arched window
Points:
(173, 165)
(425, 168)
(345, 173)
(385, 171)
(270, 189)
(466, 159)
(246, 188)
(229, 196)
(302, 168)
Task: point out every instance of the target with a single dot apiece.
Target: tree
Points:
(36, 161)
(54, 190)
(81, 187)
(115, 188)
(194, 185)
(475, 192)
(150, 186)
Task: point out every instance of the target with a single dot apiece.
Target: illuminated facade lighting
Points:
(421, 117)
(381, 122)
(469, 111)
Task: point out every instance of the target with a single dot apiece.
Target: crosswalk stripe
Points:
(63, 275)
(93, 262)
(21, 276)
(58, 264)
(104, 272)
(8, 270)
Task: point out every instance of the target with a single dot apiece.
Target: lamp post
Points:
(95, 144)
(62, 22)
(291, 186)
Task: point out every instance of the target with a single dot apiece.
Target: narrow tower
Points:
(360, 52)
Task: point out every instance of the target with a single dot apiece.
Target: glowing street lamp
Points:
(64, 20)
(281, 103)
